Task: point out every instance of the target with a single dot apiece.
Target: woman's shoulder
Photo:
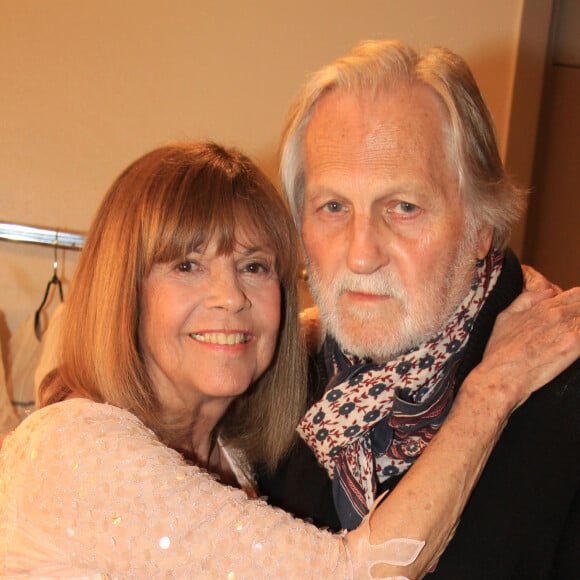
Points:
(76, 414)
(83, 445)
(74, 425)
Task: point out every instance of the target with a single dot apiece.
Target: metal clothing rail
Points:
(44, 236)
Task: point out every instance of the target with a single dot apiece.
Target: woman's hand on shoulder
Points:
(533, 340)
(535, 282)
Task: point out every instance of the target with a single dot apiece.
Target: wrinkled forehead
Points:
(392, 140)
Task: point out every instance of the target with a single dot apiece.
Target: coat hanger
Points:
(55, 280)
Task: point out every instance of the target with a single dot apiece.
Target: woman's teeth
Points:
(221, 337)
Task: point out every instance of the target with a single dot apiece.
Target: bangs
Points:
(210, 204)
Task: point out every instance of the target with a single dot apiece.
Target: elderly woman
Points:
(182, 365)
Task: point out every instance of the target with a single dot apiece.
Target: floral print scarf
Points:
(375, 420)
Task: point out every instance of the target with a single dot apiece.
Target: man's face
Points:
(383, 224)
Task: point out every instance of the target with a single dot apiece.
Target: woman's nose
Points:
(226, 291)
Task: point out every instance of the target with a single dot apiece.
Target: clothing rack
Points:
(44, 236)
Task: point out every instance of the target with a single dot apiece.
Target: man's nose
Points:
(366, 248)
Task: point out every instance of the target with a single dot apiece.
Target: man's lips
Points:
(366, 297)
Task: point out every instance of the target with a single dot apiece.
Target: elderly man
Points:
(391, 167)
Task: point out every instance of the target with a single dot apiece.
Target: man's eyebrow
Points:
(416, 187)
(321, 190)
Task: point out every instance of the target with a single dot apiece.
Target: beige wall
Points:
(552, 235)
(87, 85)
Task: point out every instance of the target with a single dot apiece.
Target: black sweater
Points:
(523, 518)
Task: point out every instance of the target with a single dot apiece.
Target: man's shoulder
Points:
(549, 418)
(521, 515)
(317, 377)
(561, 395)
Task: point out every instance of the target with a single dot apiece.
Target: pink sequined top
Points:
(87, 490)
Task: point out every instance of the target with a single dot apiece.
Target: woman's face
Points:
(209, 324)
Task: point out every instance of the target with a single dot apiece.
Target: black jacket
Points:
(523, 518)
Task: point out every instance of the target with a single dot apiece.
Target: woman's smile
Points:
(222, 338)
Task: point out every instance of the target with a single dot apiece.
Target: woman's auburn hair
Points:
(163, 206)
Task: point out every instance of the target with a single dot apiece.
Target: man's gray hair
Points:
(491, 198)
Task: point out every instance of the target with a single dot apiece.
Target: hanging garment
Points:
(49, 357)
(24, 357)
(8, 417)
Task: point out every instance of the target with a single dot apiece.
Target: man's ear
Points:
(484, 239)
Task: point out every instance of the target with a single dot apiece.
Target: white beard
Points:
(382, 333)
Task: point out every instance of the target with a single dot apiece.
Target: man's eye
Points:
(405, 207)
(333, 206)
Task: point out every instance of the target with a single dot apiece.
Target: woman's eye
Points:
(257, 268)
(187, 266)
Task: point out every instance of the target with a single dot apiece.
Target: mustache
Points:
(380, 283)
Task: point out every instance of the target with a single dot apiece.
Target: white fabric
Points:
(87, 489)
(8, 416)
(49, 358)
(30, 358)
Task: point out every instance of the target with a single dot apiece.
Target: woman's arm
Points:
(533, 341)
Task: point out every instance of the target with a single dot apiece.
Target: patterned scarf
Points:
(375, 420)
